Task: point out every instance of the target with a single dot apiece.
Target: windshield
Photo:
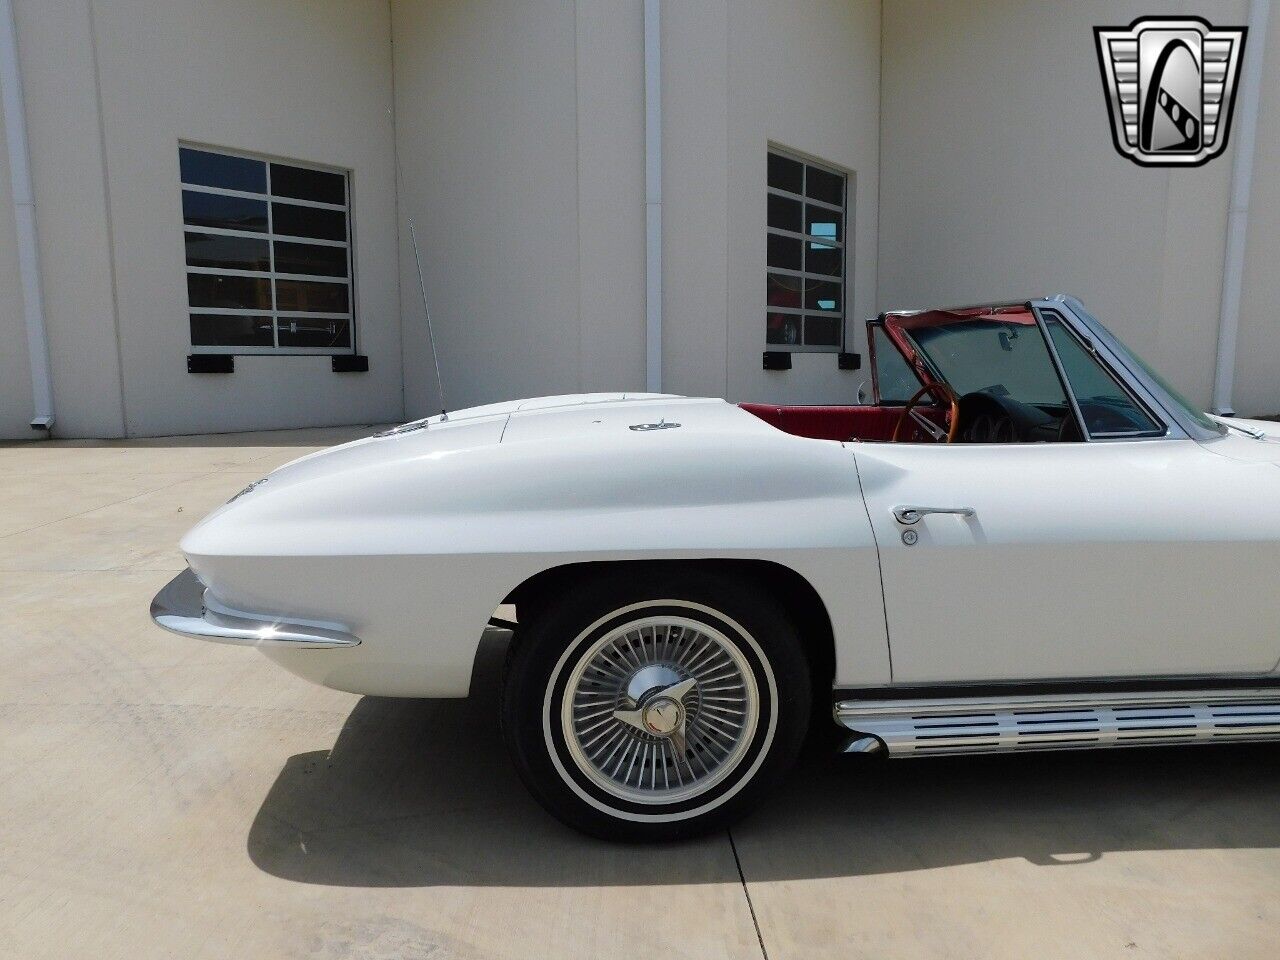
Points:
(1001, 357)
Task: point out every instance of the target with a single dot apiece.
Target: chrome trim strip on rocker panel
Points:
(1067, 721)
(180, 608)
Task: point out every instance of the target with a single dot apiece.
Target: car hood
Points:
(539, 419)
(457, 430)
(589, 457)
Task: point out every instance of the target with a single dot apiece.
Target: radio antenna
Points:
(431, 336)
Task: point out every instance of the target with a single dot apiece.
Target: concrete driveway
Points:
(160, 797)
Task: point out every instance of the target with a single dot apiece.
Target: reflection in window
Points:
(1003, 354)
(232, 330)
(782, 328)
(896, 381)
(268, 254)
(807, 205)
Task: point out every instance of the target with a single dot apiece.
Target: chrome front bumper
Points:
(180, 608)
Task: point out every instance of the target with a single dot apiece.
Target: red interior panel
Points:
(829, 423)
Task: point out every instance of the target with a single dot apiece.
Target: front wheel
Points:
(655, 707)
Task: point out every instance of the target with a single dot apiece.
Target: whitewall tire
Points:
(655, 706)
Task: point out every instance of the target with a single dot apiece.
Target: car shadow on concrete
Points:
(420, 793)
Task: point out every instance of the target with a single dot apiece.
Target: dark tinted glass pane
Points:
(820, 258)
(782, 328)
(295, 221)
(822, 222)
(229, 253)
(784, 291)
(307, 258)
(1107, 407)
(229, 213)
(219, 170)
(209, 290)
(785, 174)
(306, 184)
(824, 186)
(821, 331)
(784, 252)
(295, 332)
(784, 213)
(822, 294)
(315, 297)
(220, 330)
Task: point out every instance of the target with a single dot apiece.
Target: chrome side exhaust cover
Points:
(966, 725)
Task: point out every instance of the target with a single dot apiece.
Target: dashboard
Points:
(986, 416)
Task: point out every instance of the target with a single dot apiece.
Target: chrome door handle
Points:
(910, 515)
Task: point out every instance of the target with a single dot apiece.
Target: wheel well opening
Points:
(796, 595)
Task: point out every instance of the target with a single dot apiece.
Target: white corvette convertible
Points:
(1026, 541)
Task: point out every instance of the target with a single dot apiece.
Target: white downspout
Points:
(1238, 218)
(653, 196)
(24, 206)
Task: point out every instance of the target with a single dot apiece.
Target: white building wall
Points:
(520, 132)
(1000, 179)
(112, 88)
(805, 77)
(309, 81)
(695, 195)
(520, 129)
(486, 124)
(610, 168)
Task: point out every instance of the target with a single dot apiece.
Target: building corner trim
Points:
(653, 194)
(24, 205)
(1238, 215)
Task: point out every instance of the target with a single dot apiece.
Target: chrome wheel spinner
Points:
(660, 710)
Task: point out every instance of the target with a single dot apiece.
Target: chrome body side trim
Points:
(180, 608)
(1065, 721)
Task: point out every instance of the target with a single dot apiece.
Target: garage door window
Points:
(268, 254)
(805, 278)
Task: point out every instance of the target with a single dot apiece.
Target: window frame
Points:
(271, 275)
(845, 245)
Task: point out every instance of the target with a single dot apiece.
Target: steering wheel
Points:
(941, 392)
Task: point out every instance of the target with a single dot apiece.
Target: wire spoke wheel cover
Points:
(658, 709)
(656, 702)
